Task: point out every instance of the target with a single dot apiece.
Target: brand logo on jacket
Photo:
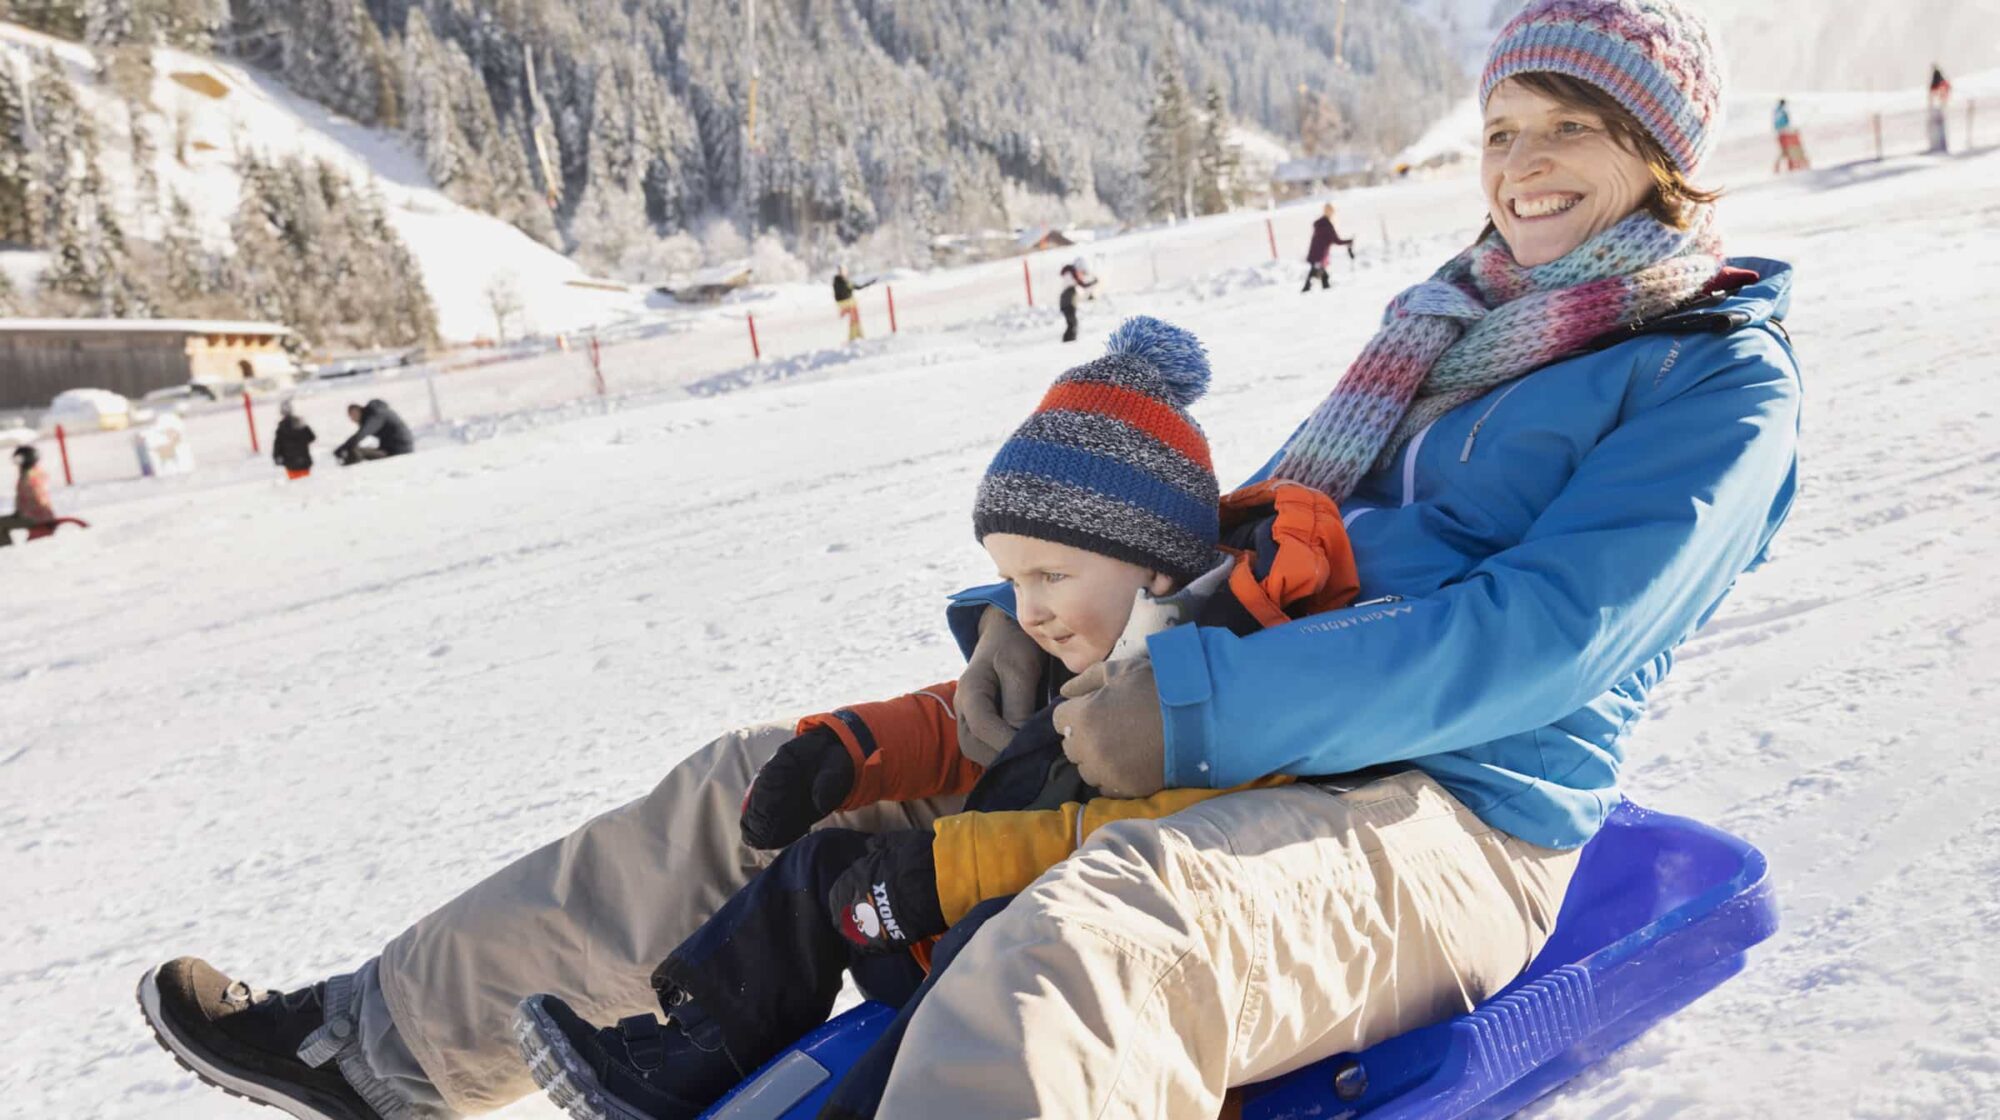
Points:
(1344, 623)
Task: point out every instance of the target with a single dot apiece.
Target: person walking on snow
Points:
(1555, 458)
(1324, 238)
(843, 298)
(1075, 279)
(1098, 568)
(291, 446)
(1936, 100)
(375, 420)
(1791, 149)
(31, 496)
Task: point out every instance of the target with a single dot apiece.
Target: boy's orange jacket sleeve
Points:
(990, 855)
(904, 749)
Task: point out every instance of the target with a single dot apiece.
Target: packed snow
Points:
(272, 723)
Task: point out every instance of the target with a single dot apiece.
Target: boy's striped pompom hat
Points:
(1656, 57)
(1111, 462)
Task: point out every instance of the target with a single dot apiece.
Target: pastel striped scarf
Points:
(1482, 321)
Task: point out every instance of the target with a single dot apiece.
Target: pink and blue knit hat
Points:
(1654, 56)
(1110, 461)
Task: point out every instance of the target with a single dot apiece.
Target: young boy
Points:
(1102, 512)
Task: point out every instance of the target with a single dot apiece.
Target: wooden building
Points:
(42, 357)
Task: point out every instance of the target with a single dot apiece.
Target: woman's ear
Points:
(1161, 585)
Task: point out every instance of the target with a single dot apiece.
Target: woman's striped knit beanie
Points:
(1110, 462)
(1654, 56)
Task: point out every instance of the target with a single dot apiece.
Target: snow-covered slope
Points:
(206, 109)
(1771, 49)
(272, 723)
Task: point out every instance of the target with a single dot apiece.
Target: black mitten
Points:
(806, 780)
(888, 899)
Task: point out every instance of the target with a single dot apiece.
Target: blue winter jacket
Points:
(1534, 557)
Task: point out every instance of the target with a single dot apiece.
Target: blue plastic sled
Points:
(1661, 910)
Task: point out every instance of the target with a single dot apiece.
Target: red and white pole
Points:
(1272, 234)
(891, 293)
(1876, 120)
(596, 365)
(250, 418)
(756, 352)
(1028, 281)
(62, 448)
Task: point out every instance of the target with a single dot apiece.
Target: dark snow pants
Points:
(767, 967)
(1318, 273)
(859, 1093)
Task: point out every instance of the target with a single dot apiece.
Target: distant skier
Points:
(291, 448)
(31, 496)
(1791, 149)
(1936, 101)
(1075, 278)
(843, 297)
(1324, 238)
(377, 420)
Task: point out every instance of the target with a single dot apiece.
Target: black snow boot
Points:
(640, 1069)
(246, 1042)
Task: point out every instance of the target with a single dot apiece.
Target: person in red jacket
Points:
(1325, 237)
(1103, 512)
(31, 497)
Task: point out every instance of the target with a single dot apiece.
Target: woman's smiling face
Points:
(1554, 175)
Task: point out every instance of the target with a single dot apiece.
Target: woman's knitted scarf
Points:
(1482, 321)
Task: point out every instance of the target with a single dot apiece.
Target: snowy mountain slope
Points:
(206, 109)
(1771, 49)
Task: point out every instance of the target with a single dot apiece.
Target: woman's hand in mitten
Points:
(806, 780)
(998, 691)
(1111, 728)
(888, 899)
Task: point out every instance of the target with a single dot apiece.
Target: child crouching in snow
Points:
(1102, 512)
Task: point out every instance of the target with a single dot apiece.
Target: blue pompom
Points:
(1175, 354)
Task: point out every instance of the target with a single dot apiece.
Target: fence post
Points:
(1876, 119)
(596, 366)
(756, 352)
(1272, 235)
(62, 448)
(250, 418)
(431, 385)
(1028, 281)
(890, 291)
(1384, 219)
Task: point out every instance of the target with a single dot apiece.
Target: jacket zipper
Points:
(1410, 463)
(1466, 454)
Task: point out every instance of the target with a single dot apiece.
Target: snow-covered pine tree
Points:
(1170, 140)
(20, 217)
(189, 270)
(61, 18)
(1219, 161)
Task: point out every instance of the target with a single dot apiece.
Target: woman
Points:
(1557, 455)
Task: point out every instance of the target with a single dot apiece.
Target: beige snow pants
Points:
(1229, 943)
(1165, 961)
(586, 918)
